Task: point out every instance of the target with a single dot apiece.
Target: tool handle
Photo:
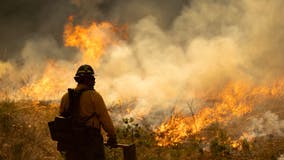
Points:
(121, 145)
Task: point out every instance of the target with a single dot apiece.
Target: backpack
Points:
(67, 129)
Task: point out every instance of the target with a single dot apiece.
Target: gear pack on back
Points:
(67, 128)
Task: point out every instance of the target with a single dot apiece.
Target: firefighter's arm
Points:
(64, 104)
(104, 116)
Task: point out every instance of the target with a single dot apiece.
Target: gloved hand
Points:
(111, 142)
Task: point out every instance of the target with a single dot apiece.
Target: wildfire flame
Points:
(49, 86)
(235, 100)
(173, 131)
(92, 41)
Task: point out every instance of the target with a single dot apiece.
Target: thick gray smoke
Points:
(175, 48)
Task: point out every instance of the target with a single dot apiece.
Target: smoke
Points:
(268, 124)
(175, 48)
(207, 45)
(23, 20)
(129, 11)
(264, 38)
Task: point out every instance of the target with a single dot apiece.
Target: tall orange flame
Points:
(92, 40)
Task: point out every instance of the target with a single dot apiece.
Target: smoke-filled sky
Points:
(175, 48)
(22, 20)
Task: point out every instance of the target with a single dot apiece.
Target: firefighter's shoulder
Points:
(93, 93)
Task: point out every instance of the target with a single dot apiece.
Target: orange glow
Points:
(92, 40)
(234, 101)
(49, 86)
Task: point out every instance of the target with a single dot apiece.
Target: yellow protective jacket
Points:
(91, 101)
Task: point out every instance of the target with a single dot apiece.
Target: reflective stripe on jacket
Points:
(91, 101)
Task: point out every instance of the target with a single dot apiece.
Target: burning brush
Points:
(235, 101)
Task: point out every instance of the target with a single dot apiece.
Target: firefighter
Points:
(90, 102)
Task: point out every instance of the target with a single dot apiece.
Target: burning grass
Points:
(24, 135)
(236, 100)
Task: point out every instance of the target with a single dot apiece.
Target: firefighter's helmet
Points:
(85, 70)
